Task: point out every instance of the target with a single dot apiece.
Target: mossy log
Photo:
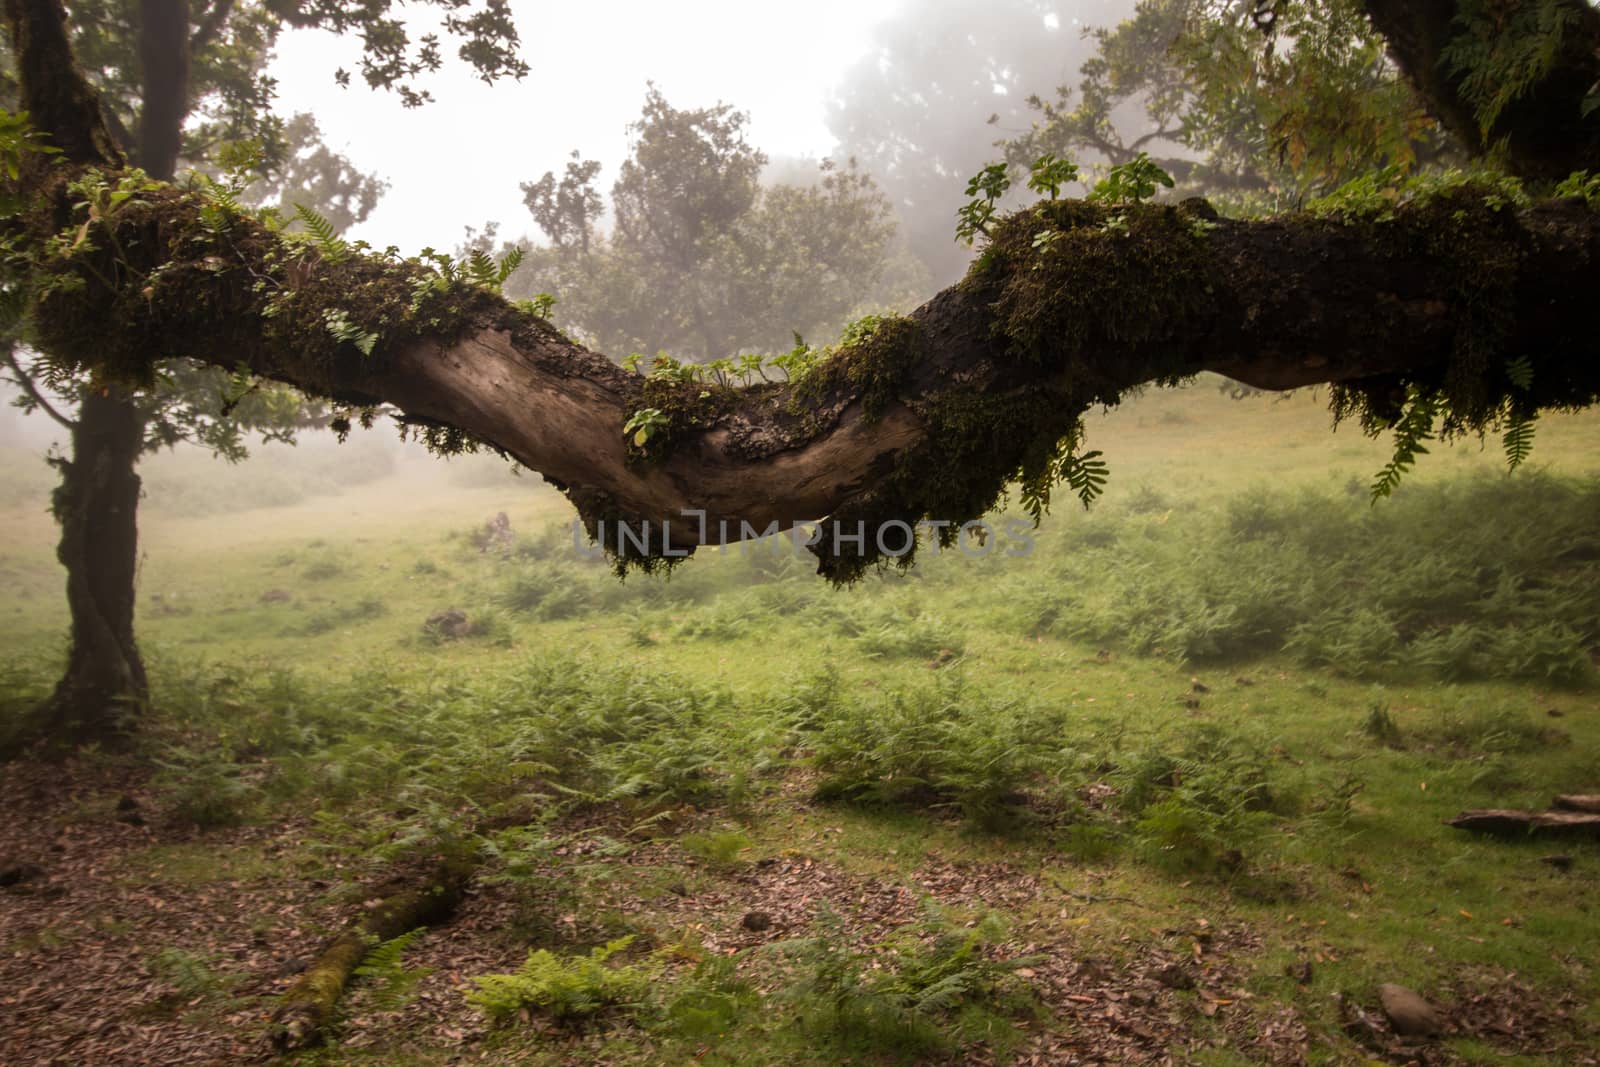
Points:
(1507, 823)
(307, 1006)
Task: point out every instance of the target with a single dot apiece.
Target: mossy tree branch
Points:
(930, 416)
(927, 417)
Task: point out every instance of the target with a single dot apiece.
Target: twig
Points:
(1091, 898)
(24, 380)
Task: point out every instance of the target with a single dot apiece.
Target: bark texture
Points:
(97, 504)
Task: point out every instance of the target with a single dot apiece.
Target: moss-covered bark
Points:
(307, 1006)
(1457, 292)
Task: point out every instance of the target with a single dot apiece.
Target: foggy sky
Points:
(457, 162)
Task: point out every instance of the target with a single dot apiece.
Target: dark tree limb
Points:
(1507, 823)
(57, 97)
(1545, 133)
(164, 94)
(1026, 344)
(25, 382)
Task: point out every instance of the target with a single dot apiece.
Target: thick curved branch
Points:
(928, 416)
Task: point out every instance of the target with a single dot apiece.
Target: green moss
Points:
(1088, 300)
(872, 361)
(690, 408)
(171, 272)
(1080, 287)
(1475, 246)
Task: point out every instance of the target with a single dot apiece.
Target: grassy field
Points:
(1173, 783)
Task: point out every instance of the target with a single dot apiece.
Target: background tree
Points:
(922, 109)
(1264, 111)
(704, 260)
(178, 81)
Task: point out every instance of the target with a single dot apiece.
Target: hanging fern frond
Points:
(1519, 372)
(1414, 426)
(1085, 474)
(1517, 438)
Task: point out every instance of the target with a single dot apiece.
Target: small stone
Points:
(1408, 1012)
(756, 921)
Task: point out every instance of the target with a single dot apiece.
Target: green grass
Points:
(1235, 691)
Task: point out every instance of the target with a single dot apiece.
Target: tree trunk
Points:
(98, 498)
(96, 505)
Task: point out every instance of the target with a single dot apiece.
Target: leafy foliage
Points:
(1048, 174)
(984, 188)
(391, 985)
(896, 998)
(645, 424)
(1235, 113)
(1132, 182)
(1504, 51)
(567, 990)
(705, 260)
